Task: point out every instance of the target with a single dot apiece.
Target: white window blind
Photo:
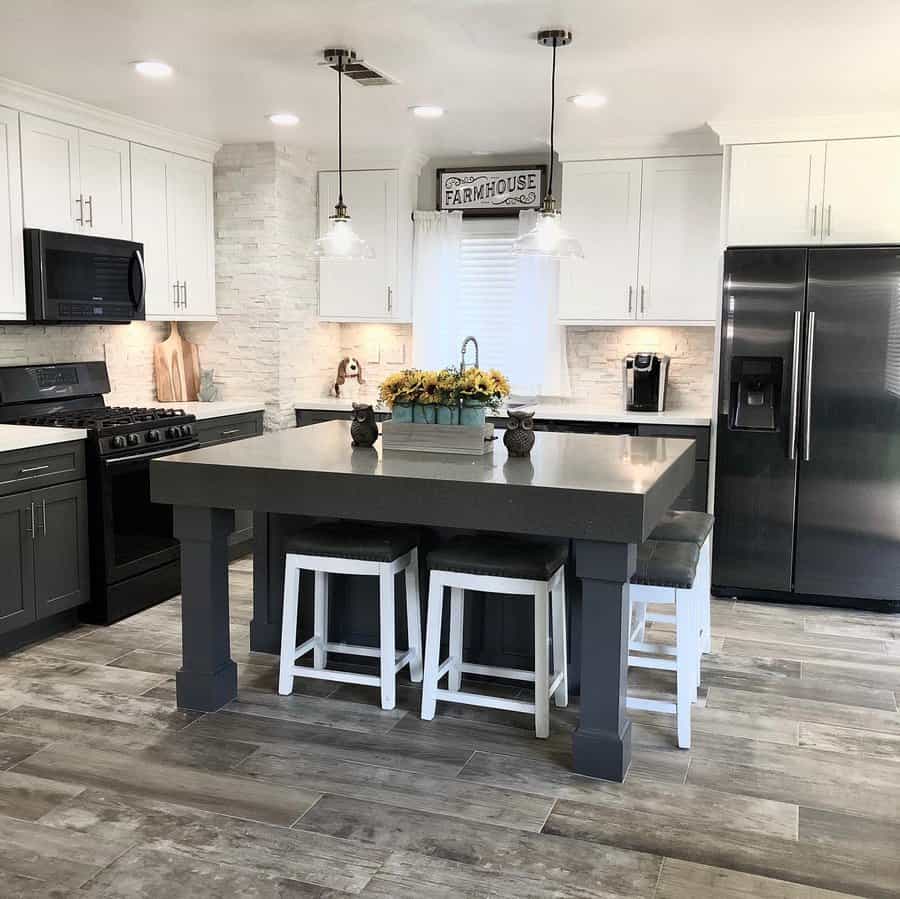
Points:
(488, 289)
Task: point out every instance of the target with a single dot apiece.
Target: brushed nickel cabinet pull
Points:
(80, 202)
(230, 431)
(30, 531)
(33, 468)
(390, 298)
(630, 292)
(828, 226)
(642, 299)
(815, 219)
(90, 202)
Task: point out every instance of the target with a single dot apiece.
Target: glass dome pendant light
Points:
(340, 243)
(547, 237)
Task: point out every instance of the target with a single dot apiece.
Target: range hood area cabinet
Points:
(173, 218)
(74, 180)
(12, 253)
(379, 289)
(803, 193)
(650, 233)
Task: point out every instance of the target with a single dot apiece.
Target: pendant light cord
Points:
(341, 132)
(552, 120)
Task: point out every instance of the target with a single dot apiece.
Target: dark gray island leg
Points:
(601, 745)
(207, 679)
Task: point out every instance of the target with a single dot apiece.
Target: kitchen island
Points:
(602, 494)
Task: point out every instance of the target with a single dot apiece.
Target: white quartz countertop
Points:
(557, 411)
(18, 437)
(200, 411)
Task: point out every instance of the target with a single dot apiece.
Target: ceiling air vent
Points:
(354, 68)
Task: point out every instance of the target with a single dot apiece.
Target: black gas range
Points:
(135, 559)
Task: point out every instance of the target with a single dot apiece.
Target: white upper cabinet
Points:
(50, 176)
(650, 234)
(812, 192)
(601, 207)
(678, 270)
(12, 257)
(173, 218)
(862, 191)
(105, 166)
(376, 289)
(75, 180)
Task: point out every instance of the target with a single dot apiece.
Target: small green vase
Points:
(472, 415)
(402, 412)
(447, 415)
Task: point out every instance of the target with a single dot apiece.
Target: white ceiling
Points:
(665, 67)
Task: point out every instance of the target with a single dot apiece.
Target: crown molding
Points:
(764, 131)
(701, 142)
(33, 100)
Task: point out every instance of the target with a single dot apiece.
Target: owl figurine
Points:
(364, 429)
(519, 436)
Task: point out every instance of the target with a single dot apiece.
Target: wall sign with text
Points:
(490, 191)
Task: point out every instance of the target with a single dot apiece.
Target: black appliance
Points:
(135, 559)
(644, 379)
(808, 437)
(81, 278)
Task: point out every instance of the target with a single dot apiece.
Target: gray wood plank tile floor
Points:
(791, 789)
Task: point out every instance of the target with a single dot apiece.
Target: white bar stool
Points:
(498, 565)
(685, 527)
(667, 573)
(365, 550)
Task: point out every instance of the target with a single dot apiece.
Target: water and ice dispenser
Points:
(755, 392)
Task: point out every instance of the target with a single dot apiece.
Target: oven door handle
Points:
(167, 451)
(140, 259)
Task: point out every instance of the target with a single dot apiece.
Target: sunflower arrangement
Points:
(446, 387)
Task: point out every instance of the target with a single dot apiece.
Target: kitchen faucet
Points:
(462, 357)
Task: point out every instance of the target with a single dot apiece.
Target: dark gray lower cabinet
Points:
(16, 563)
(61, 572)
(43, 554)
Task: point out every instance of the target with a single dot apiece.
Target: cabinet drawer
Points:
(228, 428)
(41, 466)
(684, 432)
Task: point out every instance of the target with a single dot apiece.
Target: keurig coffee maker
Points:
(644, 378)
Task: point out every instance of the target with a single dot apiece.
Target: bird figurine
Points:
(364, 429)
(519, 436)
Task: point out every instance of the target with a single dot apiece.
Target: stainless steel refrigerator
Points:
(808, 448)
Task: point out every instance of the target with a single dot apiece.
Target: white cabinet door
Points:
(105, 167)
(862, 191)
(191, 238)
(363, 290)
(12, 257)
(775, 195)
(50, 176)
(678, 269)
(601, 205)
(150, 226)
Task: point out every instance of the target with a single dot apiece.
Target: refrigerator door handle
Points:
(807, 387)
(795, 388)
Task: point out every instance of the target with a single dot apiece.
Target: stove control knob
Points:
(187, 430)
(133, 440)
(153, 436)
(118, 442)
(174, 431)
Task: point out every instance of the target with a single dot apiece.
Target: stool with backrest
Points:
(352, 549)
(505, 566)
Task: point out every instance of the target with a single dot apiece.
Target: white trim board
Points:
(24, 98)
(772, 131)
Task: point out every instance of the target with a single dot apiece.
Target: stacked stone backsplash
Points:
(595, 359)
(127, 349)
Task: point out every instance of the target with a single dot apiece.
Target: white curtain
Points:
(436, 245)
(541, 366)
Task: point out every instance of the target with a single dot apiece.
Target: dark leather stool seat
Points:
(663, 563)
(683, 527)
(499, 557)
(368, 543)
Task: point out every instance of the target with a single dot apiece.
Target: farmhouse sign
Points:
(490, 191)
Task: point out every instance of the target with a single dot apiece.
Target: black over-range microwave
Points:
(81, 278)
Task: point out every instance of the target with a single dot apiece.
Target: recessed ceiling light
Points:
(427, 112)
(283, 118)
(150, 68)
(588, 101)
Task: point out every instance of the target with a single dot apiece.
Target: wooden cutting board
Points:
(176, 367)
